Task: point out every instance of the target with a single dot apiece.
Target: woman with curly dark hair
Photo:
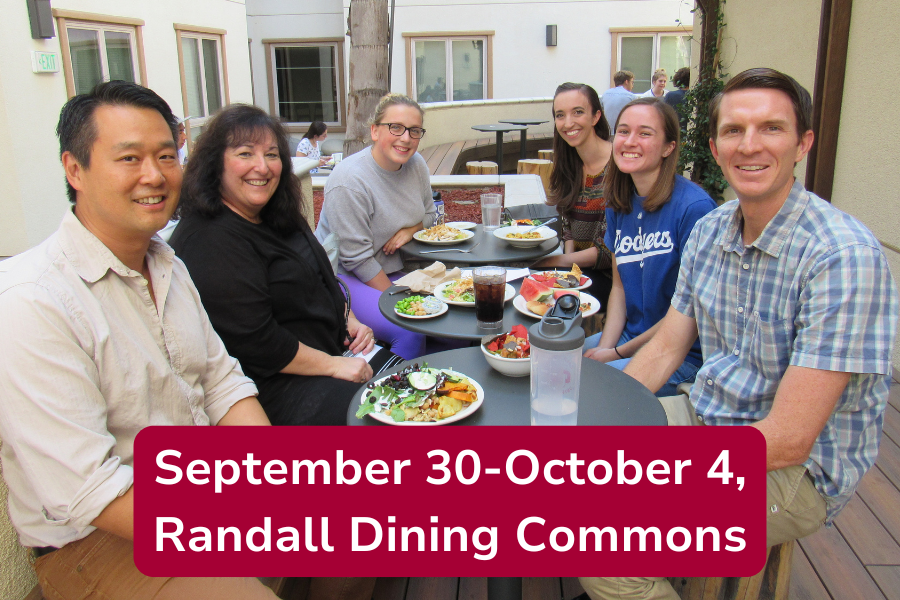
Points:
(581, 152)
(264, 279)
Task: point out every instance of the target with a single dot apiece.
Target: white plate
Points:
(479, 391)
(546, 234)
(462, 225)
(519, 304)
(444, 309)
(438, 293)
(580, 287)
(468, 235)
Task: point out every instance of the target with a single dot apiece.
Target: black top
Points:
(263, 292)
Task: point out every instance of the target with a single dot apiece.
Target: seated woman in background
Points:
(651, 212)
(309, 145)
(264, 279)
(581, 152)
(375, 200)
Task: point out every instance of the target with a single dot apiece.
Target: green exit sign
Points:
(44, 62)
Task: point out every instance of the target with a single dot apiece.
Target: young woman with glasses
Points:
(375, 200)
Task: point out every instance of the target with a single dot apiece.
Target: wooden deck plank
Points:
(892, 423)
(437, 157)
(449, 159)
(427, 152)
(540, 588)
(866, 535)
(894, 396)
(882, 497)
(888, 579)
(838, 567)
(390, 588)
(889, 460)
(805, 583)
(432, 588)
(472, 588)
(571, 588)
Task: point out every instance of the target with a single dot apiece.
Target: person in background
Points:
(104, 334)
(581, 152)
(649, 216)
(309, 145)
(264, 279)
(375, 200)
(615, 99)
(657, 85)
(675, 98)
(797, 314)
(182, 140)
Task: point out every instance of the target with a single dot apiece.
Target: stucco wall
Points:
(33, 198)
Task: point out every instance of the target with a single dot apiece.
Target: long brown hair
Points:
(567, 179)
(618, 186)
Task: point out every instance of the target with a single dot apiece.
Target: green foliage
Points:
(696, 156)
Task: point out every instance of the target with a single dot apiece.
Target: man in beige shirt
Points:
(103, 335)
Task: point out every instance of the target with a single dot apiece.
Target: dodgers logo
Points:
(631, 249)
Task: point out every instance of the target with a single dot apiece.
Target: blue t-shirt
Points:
(648, 247)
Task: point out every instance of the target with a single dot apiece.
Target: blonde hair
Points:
(659, 73)
(393, 99)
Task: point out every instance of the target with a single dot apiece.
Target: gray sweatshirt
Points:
(366, 205)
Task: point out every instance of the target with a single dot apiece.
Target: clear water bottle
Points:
(557, 343)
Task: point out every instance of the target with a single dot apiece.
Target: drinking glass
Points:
(490, 288)
(491, 206)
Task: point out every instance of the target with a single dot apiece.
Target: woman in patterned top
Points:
(581, 151)
(309, 145)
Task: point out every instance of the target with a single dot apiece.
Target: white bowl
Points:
(547, 233)
(513, 367)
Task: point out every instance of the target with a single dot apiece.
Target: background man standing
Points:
(615, 99)
(796, 312)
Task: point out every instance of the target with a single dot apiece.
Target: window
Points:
(99, 48)
(306, 82)
(446, 67)
(202, 72)
(644, 51)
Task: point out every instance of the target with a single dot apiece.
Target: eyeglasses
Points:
(397, 129)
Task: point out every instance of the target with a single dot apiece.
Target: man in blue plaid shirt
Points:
(796, 312)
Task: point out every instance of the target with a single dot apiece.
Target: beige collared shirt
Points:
(87, 361)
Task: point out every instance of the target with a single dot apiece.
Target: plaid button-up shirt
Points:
(813, 291)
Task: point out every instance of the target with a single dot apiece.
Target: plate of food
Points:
(420, 307)
(461, 292)
(518, 237)
(573, 279)
(421, 396)
(442, 235)
(540, 303)
(462, 225)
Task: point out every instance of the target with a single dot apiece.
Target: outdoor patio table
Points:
(608, 396)
(490, 250)
(524, 132)
(458, 322)
(500, 129)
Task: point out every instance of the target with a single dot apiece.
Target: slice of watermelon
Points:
(557, 294)
(533, 290)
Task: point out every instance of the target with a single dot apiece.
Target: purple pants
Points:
(364, 303)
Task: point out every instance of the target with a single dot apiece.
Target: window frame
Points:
(617, 33)
(449, 37)
(269, 46)
(201, 33)
(99, 22)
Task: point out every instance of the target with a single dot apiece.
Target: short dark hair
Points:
(619, 186)
(77, 129)
(567, 178)
(315, 128)
(682, 77)
(201, 191)
(765, 78)
(621, 77)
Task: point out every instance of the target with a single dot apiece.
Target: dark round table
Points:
(607, 397)
(524, 133)
(499, 129)
(489, 250)
(458, 322)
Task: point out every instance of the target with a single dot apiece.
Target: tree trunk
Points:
(368, 69)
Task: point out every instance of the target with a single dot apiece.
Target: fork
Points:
(535, 228)
(451, 250)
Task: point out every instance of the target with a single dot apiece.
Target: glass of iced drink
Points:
(490, 287)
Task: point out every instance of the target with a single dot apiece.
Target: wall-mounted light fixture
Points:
(41, 19)
(551, 35)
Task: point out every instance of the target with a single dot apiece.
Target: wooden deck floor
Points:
(859, 558)
(442, 159)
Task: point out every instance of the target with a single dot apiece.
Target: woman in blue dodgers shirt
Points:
(650, 214)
